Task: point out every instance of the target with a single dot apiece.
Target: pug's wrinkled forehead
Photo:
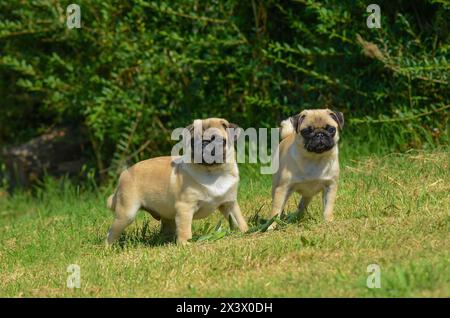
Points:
(211, 127)
(215, 126)
(318, 118)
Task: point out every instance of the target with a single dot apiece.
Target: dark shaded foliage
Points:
(137, 69)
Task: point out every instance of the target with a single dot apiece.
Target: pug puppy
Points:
(308, 157)
(176, 191)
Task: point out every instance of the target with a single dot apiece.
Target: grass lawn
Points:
(392, 211)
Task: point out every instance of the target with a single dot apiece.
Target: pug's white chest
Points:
(218, 186)
(311, 176)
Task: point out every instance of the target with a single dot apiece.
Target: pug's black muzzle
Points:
(208, 149)
(319, 142)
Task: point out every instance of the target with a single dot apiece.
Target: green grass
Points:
(391, 210)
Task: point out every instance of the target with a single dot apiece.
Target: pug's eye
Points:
(331, 129)
(307, 131)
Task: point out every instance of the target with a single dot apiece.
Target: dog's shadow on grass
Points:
(142, 235)
(259, 224)
(152, 237)
(146, 236)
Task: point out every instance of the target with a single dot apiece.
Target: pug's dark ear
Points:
(297, 121)
(339, 118)
(236, 130)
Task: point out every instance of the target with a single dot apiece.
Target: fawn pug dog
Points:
(308, 157)
(176, 191)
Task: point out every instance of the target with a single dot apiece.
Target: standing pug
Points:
(309, 163)
(177, 191)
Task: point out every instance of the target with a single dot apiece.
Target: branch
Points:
(186, 16)
(314, 74)
(390, 120)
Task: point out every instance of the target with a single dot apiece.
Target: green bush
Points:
(137, 69)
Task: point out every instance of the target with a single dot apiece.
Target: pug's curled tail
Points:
(111, 202)
(286, 128)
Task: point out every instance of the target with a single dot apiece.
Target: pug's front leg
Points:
(280, 195)
(232, 212)
(329, 197)
(183, 221)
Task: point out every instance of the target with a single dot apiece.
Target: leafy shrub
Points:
(137, 69)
